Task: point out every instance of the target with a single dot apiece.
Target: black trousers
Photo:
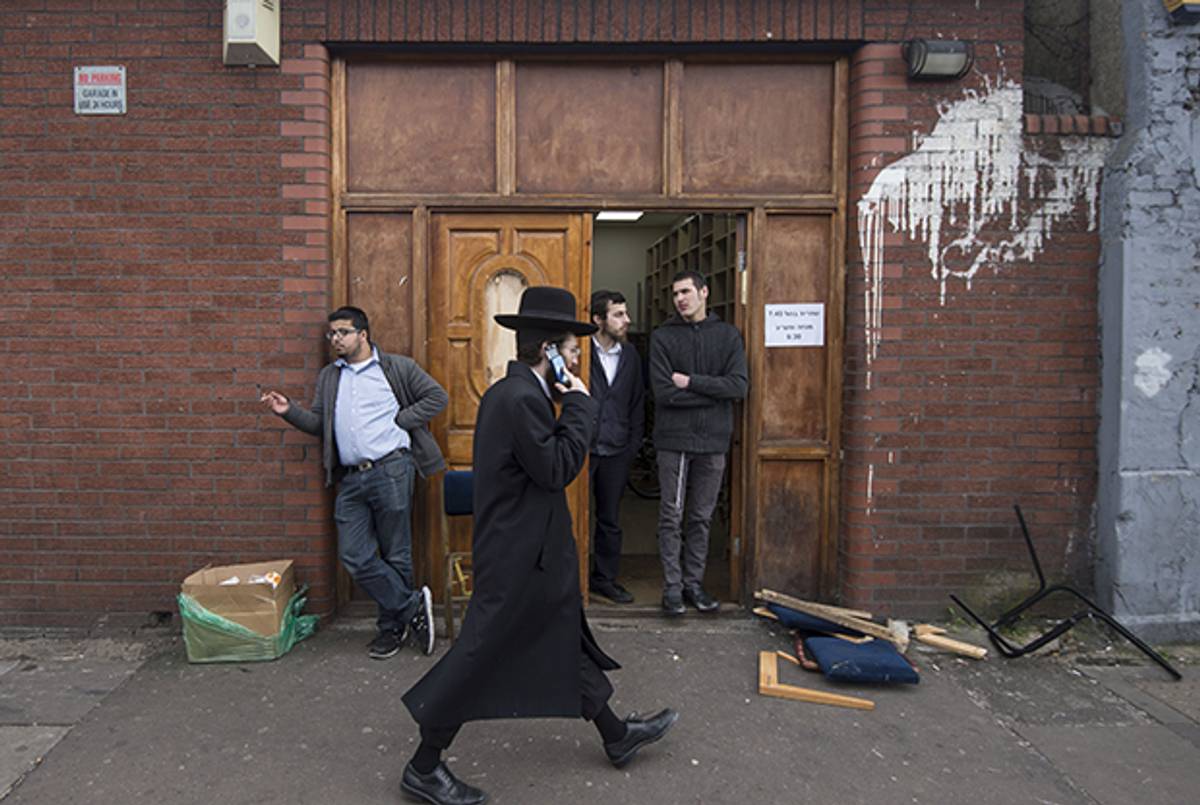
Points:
(594, 689)
(608, 477)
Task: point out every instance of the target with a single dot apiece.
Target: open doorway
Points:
(638, 254)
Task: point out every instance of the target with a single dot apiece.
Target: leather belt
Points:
(363, 466)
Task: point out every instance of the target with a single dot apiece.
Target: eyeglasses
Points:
(340, 332)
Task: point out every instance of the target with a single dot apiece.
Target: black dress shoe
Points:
(612, 591)
(638, 733)
(440, 787)
(700, 600)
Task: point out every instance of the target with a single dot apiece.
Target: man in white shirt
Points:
(616, 382)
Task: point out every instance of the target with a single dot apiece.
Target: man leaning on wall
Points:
(372, 410)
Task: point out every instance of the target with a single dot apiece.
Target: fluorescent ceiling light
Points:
(619, 215)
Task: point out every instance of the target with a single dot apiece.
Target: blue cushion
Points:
(458, 489)
(794, 619)
(876, 661)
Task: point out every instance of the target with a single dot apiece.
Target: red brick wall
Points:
(973, 404)
(162, 265)
(158, 267)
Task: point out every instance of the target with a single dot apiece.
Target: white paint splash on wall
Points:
(1152, 374)
(963, 181)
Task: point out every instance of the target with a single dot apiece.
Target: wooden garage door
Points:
(420, 145)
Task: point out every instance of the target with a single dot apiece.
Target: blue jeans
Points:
(373, 512)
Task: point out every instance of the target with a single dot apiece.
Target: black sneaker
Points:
(700, 600)
(420, 625)
(612, 591)
(386, 644)
(672, 605)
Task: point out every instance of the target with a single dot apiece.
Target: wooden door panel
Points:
(480, 264)
(764, 128)
(793, 379)
(792, 446)
(421, 127)
(611, 143)
(789, 524)
(379, 250)
(379, 280)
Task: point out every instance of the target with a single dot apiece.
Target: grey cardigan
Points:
(420, 398)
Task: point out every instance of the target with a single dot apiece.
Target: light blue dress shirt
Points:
(364, 419)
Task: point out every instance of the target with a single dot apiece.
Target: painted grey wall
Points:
(1056, 42)
(1107, 90)
(1148, 515)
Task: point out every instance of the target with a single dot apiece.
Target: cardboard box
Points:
(258, 607)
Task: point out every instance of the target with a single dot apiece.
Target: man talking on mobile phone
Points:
(525, 650)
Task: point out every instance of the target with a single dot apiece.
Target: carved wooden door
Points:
(480, 264)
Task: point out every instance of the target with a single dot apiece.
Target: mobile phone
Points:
(560, 366)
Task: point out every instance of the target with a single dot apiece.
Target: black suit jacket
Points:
(622, 416)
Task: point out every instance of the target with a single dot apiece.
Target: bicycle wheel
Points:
(643, 473)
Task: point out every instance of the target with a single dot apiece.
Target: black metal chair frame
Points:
(1093, 610)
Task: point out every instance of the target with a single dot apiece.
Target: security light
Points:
(937, 58)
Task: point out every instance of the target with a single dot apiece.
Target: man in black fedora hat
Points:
(525, 650)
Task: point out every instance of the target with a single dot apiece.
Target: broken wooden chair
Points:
(1092, 610)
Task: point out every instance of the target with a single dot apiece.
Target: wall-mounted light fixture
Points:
(937, 58)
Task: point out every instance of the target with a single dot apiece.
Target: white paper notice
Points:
(795, 325)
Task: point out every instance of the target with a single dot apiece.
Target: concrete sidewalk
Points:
(132, 721)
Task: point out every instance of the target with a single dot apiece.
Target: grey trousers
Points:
(691, 483)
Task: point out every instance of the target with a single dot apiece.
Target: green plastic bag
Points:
(212, 638)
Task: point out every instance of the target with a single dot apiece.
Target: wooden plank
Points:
(850, 613)
(484, 202)
(338, 270)
(897, 637)
(671, 133)
(934, 636)
(835, 323)
(769, 685)
(506, 128)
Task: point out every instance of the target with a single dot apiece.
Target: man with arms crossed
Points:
(617, 388)
(697, 370)
(372, 410)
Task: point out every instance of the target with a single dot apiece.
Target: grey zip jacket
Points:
(698, 419)
(420, 398)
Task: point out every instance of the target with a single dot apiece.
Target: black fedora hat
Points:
(544, 307)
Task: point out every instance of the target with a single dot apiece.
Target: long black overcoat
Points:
(519, 652)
